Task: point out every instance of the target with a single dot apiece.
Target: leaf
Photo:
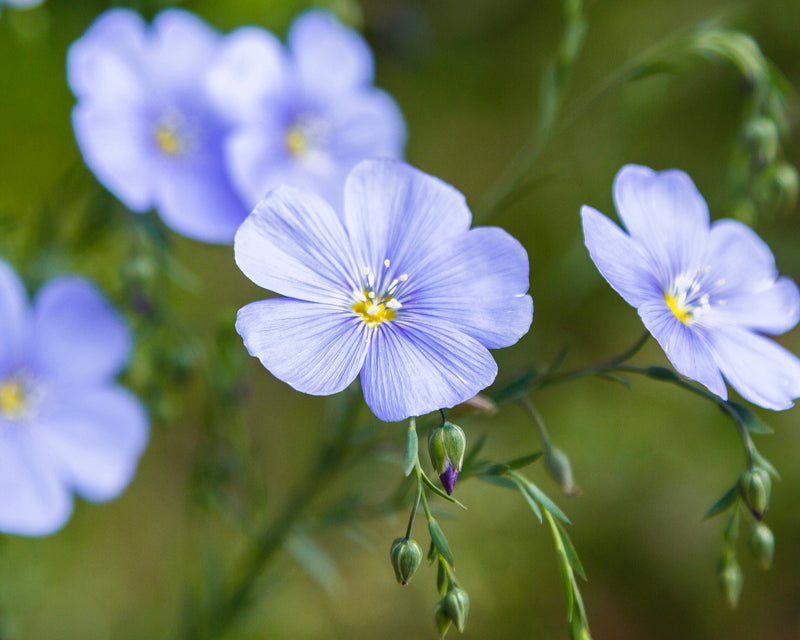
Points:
(499, 469)
(524, 461)
(524, 490)
(440, 493)
(412, 449)
(662, 373)
(722, 504)
(750, 420)
(500, 481)
(315, 561)
(546, 502)
(440, 542)
(761, 461)
(572, 555)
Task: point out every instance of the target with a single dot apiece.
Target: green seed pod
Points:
(406, 556)
(456, 606)
(762, 544)
(731, 581)
(441, 618)
(755, 487)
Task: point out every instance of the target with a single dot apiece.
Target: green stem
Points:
(329, 461)
(536, 418)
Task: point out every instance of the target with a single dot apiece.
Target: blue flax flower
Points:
(705, 292)
(398, 289)
(144, 122)
(65, 424)
(306, 113)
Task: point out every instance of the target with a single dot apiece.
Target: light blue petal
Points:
(478, 284)
(78, 335)
(416, 366)
(293, 243)
(331, 59)
(95, 437)
(259, 160)
(181, 48)
(367, 124)
(774, 310)
(14, 319)
(666, 215)
(687, 348)
(394, 211)
(35, 500)
(199, 202)
(105, 64)
(618, 258)
(315, 348)
(115, 146)
(740, 260)
(249, 68)
(761, 370)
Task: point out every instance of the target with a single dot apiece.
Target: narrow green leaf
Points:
(538, 495)
(762, 462)
(749, 419)
(412, 449)
(440, 493)
(500, 481)
(566, 582)
(662, 373)
(498, 469)
(722, 504)
(440, 542)
(524, 491)
(572, 555)
(524, 461)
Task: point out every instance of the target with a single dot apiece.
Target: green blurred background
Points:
(650, 461)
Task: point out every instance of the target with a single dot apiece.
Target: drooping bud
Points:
(557, 464)
(456, 607)
(731, 580)
(441, 618)
(755, 487)
(762, 544)
(446, 446)
(762, 136)
(406, 556)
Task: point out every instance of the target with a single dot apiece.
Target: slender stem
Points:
(413, 515)
(329, 460)
(537, 420)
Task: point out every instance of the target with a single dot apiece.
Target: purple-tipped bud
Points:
(449, 478)
(446, 445)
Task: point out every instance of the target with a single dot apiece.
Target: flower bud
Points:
(443, 622)
(762, 136)
(755, 487)
(446, 445)
(762, 544)
(406, 556)
(557, 464)
(731, 581)
(786, 183)
(455, 606)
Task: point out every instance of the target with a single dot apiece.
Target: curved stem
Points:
(329, 461)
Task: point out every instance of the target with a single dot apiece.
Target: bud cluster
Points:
(453, 609)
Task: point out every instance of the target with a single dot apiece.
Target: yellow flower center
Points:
(681, 312)
(372, 311)
(296, 141)
(168, 140)
(12, 398)
(375, 308)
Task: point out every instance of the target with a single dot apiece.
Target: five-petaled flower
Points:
(705, 292)
(398, 289)
(306, 113)
(65, 424)
(145, 124)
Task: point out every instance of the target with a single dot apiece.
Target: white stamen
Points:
(404, 277)
(366, 271)
(721, 281)
(373, 310)
(394, 303)
(360, 296)
(371, 295)
(386, 263)
(371, 279)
